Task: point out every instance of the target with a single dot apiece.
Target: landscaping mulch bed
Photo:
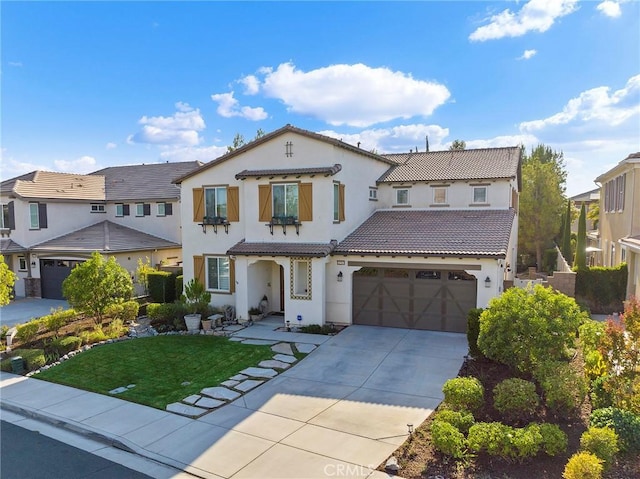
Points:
(419, 460)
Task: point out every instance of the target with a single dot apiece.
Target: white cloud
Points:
(111, 145)
(355, 95)
(179, 129)
(610, 8)
(528, 54)
(535, 15)
(189, 153)
(15, 64)
(82, 165)
(229, 107)
(251, 84)
(500, 141)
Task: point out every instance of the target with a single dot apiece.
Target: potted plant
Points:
(196, 299)
(255, 313)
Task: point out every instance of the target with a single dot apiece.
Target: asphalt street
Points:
(26, 454)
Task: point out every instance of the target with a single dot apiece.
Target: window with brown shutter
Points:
(198, 204)
(233, 203)
(342, 216)
(198, 269)
(305, 191)
(264, 202)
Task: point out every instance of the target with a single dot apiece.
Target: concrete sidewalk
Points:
(341, 411)
(21, 310)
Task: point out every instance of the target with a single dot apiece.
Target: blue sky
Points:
(87, 85)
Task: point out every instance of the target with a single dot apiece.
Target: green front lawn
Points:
(158, 366)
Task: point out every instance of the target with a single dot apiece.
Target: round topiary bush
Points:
(554, 439)
(461, 420)
(463, 394)
(447, 439)
(601, 441)
(493, 438)
(583, 465)
(516, 398)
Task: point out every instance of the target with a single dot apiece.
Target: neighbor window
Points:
(218, 274)
(373, 193)
(22, 263)
(215, 201)
(479, 194)
(300, 279)
(285, 200)
(143, 209)
(97, 208)
(440, 195)
(161, 209)
(402, 196)
(34, 216)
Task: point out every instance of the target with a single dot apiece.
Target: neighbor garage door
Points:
(52, 273)
(415, 299)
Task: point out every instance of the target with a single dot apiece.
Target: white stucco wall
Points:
(166, 227)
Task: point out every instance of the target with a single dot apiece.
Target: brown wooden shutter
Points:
(305, 202)
(233, 203)
(264, 202)
(341, 204)
(12, 217)
(198, 204)
(198, 269)
(232, 276)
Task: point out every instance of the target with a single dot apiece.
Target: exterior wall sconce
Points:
(340, 277)
(487, 282)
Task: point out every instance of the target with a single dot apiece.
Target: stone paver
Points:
(285, 358)
(259, 342)
(118, 390)
(209, 403)
(272, 363)
(260, 373)
(233, 338)
(234, 327)
(238, 377)
(229, 383)
(305, 348)
(220, 393)
(192, 399)
(185, 409)
(284, 348)
(248, 385)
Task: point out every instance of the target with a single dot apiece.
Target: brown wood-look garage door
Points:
(415, 299)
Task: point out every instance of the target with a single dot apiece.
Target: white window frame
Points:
(408, 200)
(119, 210)
(373, 193)
(34, 216)
(486, 194)
(300, 285)
(218, 260)
(139, 210)
(437, 189)
(3, 206)
(216, 207)
(336, 202)
(286, 186)
(22, 263)
(161, 209)
(98, 208)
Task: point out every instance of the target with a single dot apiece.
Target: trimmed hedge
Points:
(179, 285)
(602, 289)
(473, 330)
(162, 286)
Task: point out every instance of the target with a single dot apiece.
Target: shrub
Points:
(96, 335)
(461, 420)
(165, 313)
(115, 329)
(317, 329)
(591, 333)
(179, 285)
(524, 327)
(55, 321)
(60, 346)
(464, 394)
(602, 288)
(516, 398)
(28, 331)
(526, 441)
(554, 439)
(491, 437)
(601, 441)
(162, 286)
(583, 465)
(473, 330)
(33, 358)
(70, 343)
(564, 389)
(447, 439)
(601, 396)
(624, 423)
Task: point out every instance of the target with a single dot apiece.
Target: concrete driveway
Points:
(340, 412)
(21, 310)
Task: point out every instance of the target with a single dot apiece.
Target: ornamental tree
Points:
(7, 280)
(96, 284)
(525, 327)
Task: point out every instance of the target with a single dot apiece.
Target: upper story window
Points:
(285, 199)
(402, 196)
(338, 202)
(215, 201)
(122, 210)
(614, 191)
(480, 195)
(440, 195)
(143, 209)
(98, 208)
(37, 216)
(164, 209)
(373, 193)
(218, 274)
(7, 219)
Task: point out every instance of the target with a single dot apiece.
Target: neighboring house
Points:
(52, 221)
(331, 233)
(620, 218)
(594, 252)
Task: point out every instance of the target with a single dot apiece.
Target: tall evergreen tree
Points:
(581, 244)
(566, 235)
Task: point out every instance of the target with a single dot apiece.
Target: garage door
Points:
(52, 273)
(415, 299)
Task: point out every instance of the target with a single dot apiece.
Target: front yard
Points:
(164, 369)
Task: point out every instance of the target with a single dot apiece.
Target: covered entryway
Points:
(52, 273)
(437, 300)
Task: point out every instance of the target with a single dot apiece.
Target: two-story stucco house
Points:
(328, 232)
(51, 221)
(620, 218)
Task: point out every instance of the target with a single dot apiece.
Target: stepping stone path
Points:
(209, 399)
